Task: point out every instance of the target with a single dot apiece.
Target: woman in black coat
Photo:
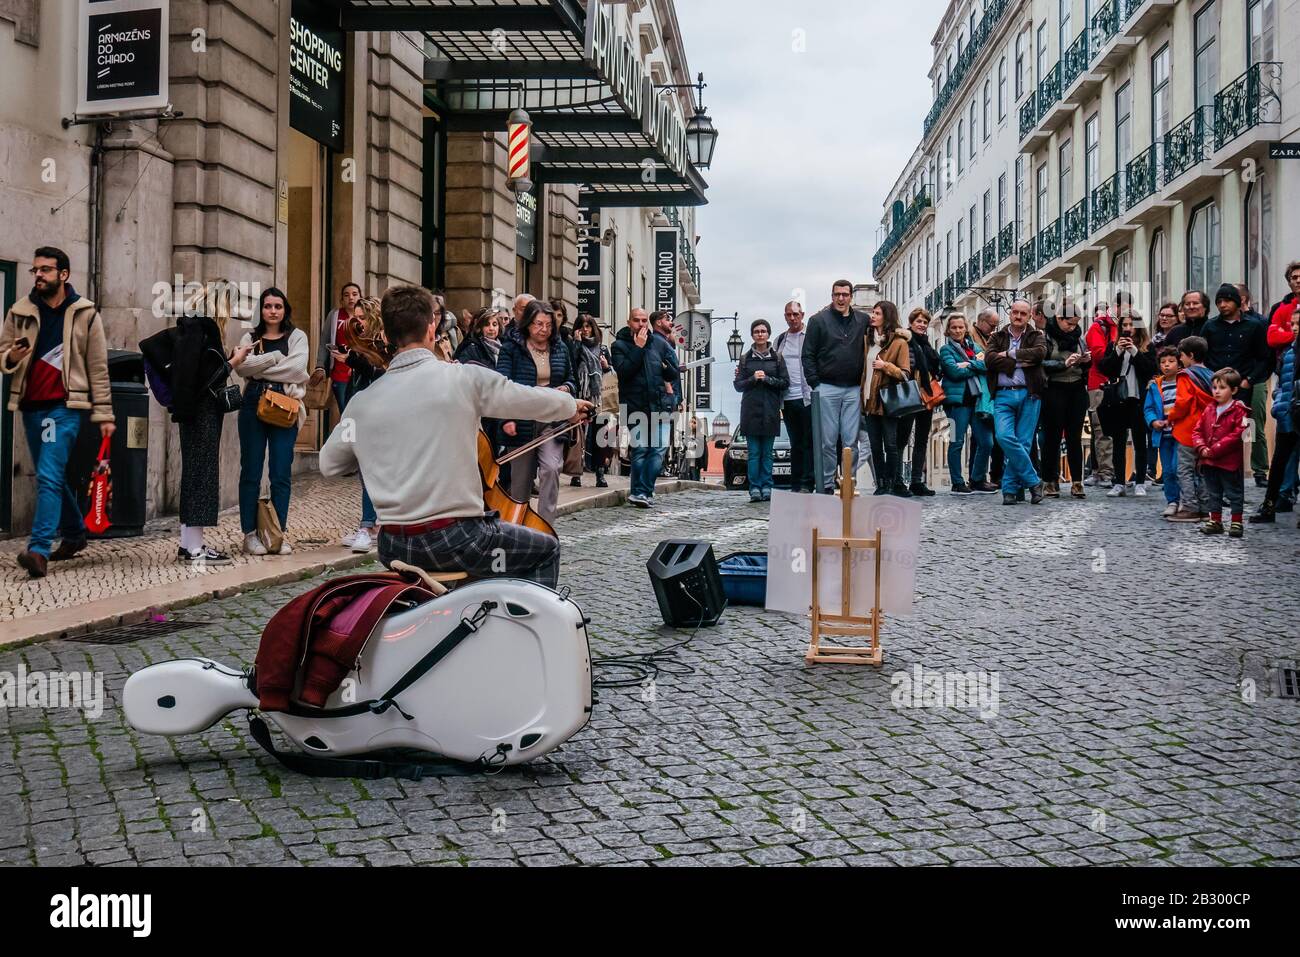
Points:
(761, 378)
(1129, 363)
(926, 370)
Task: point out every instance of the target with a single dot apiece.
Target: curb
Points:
(135, 607)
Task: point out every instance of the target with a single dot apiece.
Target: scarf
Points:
(493, 346)
(1067, 341)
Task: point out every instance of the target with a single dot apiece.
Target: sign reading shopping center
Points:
(121, 56)
(315, 75)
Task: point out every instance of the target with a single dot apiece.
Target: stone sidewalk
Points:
(117, 581)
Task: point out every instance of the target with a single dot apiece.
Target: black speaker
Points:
(685, 577)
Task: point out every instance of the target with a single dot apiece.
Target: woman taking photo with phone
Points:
(888, 361)
(273, 360)
(1129, 364)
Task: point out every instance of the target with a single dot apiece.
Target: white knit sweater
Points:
(274, 366)
(414, 435)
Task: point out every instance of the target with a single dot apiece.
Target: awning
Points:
(487, 57)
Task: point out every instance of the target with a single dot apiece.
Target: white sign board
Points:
(121, 56)
(789, 553)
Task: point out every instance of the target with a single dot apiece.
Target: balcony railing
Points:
(1049, 91)
(674, 216)
(1076, 60)
(1049, 242)
(898, 230)
(987, 26)
(960, 279)
(975, 266)
(1250, 99)
(1187, 144)
(1105, 25)
(948, 290)
(1131, 7)
(1140, 177)
(990, 256)
(1006, 241)
(1028, 257)
(1105, 202)
(1076, 224)
(1028, 114)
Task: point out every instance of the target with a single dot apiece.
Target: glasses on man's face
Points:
(841, 295)
(44, 270)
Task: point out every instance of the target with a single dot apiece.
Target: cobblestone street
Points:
(1125, 651)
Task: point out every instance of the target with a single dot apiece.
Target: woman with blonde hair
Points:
(363, 375)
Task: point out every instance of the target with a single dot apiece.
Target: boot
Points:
(1076, 490)
(1266, 514)
(1052, 489)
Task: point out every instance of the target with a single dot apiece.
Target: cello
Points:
(495, 495)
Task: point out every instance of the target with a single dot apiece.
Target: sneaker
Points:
(347, 540)
(1170, 510)
(921, 489)
(1098, 480)
(1266, 514)
(983, 487)
(68, 548)
(1036, 494)
(1261, 480)
(1131, 488)
(902, 491)
(1235, 530)
(1185, 515)
(1116, 491)
(767, 495)
(361, 541)
(1076, 490)
(600, 482)
(638, 500)
(285, 548)
(755, 498)
(253, 545)
(1284, 505)
(962, 488)
(575, 482)
(34, 563)
(1008, 498)
(1140, 491)
(1020, 496)
(207, 555)
(1211, 527)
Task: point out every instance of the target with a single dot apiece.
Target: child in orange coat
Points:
(1192, 395)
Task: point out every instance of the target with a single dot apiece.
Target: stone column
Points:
(480, 222)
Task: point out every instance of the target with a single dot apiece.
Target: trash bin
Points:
(744, 578)
(129, 452)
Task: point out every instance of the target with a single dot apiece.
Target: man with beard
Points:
(52, 344)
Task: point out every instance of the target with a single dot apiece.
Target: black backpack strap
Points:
(417, 671)
(366, 769)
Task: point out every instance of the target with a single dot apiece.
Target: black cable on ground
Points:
(648, 666)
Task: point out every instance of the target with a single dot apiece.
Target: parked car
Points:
(735, 463)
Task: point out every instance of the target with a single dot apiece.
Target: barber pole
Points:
(520, 144)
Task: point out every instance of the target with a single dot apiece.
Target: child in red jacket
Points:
(1217, 440)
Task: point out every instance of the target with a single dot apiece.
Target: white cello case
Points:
(522, 680)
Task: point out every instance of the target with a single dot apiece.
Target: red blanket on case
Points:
(321, 633)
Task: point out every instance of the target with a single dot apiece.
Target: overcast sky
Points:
(809, 145)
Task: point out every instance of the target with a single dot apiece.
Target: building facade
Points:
(310, 143)
(1134, 148)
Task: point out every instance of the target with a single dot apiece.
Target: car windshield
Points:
(739, 438)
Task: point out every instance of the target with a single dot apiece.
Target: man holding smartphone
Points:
(52, 344)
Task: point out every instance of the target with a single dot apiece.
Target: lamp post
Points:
(701, 134)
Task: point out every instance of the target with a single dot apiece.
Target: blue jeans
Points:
(760, 464)
(368, 517)
(647, 440)
(1290, 480)
(51, 434)
(964, 418)
(841, 418)
(342, 392)
(1169, 469)
(1015, 419)
(255, 439)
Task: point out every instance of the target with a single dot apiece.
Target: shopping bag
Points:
(101, 491)
(268, 526)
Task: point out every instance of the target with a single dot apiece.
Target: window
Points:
(988, 215)
(971, 24)
(1020, 66)
(974, 232)
(1259, 34)
(1159, 266)
(1091, 155)
(929, 256)
(1089, 289)
(948, 257)
(1206, 66)
(988, 109)
(1203, 248)
(1020, 188)
(947, 169)
(1123, 133)
(1002, 202)
(1041, 53)
(1064, 8)
(1002, 89)
(1160, 94)
(972, 130)
(1259, 234)
(1040, 198)
(1119, 270)
(961, 45)
(1065, 181)
(961, 241)
(961, 143)
(948, 72)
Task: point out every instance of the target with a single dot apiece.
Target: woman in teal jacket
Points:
(967, 404)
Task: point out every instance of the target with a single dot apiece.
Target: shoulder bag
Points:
(902, 398)
(276, 408)
(227, 397)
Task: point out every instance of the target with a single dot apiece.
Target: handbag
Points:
(318, 391)
(101, 491)
(575, 454)
(902, 398)
(609, 392)
(973, 389)
(276, 408)
(227, 397)
(268, 526)
(935, 396)
(1113, 394)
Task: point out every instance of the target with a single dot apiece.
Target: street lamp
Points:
(735, 344)
(701, 134)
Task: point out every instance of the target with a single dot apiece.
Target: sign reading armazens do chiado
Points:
(121, 56)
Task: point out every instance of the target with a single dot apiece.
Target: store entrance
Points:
(307, 255)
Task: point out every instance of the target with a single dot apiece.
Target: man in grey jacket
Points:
(797, 409)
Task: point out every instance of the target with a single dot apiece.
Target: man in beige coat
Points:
(52, 343)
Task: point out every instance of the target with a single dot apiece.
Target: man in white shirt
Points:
(414, 435)
(797, 406)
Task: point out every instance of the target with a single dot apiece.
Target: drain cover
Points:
(144, 629)
(1288, 682)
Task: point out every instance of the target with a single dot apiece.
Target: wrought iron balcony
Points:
(1187, 144)
(1250, 99)
(1105, 202)
(1076, 224)
(1006, 241)
(974, 266)
(1049, 242)
(960, 280)
(1028, 257)
(1049, 91)
(948, 289)
(1140, 177)
(1131, 7)
(1028, 114)
(1105, 26)
(987, 27)
(1076, 59)
(899, 230)
(990, 256)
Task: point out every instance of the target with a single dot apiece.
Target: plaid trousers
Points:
(483, 547)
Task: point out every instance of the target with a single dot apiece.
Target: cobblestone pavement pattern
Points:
(1122, 734)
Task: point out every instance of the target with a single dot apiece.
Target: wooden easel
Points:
(845, 623)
